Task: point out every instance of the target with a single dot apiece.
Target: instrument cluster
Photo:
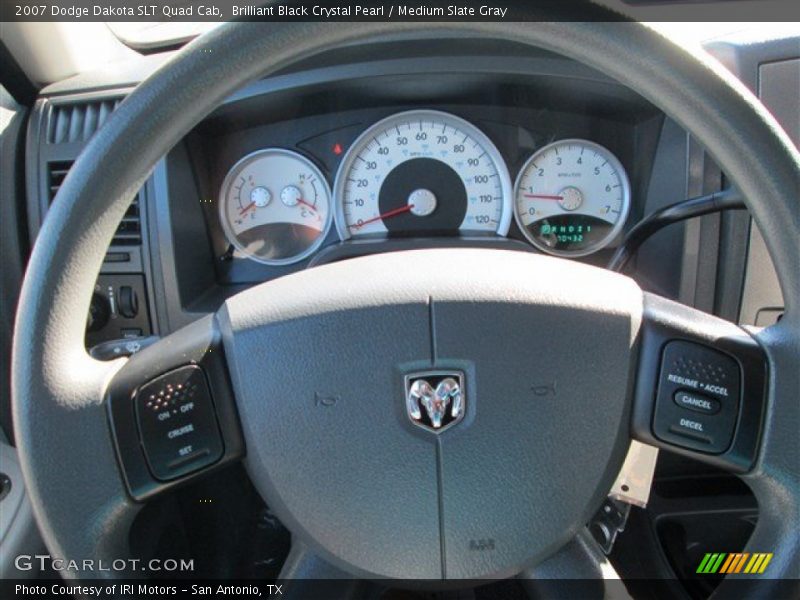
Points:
(424, 173)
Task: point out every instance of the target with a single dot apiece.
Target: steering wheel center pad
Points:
(545, 349)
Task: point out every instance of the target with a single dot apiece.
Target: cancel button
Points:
(697, 402)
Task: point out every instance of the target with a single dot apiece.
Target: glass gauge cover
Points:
(571, 198)
(275, 206)
(422, 172)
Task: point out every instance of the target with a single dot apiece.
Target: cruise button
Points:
(697, 402)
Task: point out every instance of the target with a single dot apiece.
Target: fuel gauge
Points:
(275, 206)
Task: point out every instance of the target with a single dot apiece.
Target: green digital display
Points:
(569, 232)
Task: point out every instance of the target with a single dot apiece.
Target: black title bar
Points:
(412, 10)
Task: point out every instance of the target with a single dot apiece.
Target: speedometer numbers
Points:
(571, 198)
(422, 172)
(275, 206)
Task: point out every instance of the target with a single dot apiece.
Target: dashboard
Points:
(292, 178)
(424, 172)
(435, 143)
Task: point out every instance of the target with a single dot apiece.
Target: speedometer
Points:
(571, 198)
(422, 172)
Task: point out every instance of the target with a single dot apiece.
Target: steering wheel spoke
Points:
(701, 386)
(578, 570)
(172, 411)
(305, 574)
(755, 364)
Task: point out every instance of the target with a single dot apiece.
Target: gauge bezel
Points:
(228, 230)
(624, 210)
(473, 130)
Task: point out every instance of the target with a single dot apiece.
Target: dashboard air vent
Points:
(129, 232)
(78, 122)
(56, 172)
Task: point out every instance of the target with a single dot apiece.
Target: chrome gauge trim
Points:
(222, 208)
(469, 128)
(624, 210)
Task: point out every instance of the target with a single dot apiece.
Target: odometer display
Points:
(422, 172)
(571, 198)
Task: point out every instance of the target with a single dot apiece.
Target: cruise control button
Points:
(178, 424)
(697, 402)
(689, 430)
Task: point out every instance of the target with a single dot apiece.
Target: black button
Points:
(697, 402)
(692, 429)
(177, 423)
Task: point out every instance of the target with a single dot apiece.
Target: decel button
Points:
(697, 402)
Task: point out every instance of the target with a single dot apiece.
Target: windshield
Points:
(155, 35)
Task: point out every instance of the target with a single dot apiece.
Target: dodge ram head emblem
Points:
(435, 400)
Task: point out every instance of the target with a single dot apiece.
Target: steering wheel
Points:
(324, 429)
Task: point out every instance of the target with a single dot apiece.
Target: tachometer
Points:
(571, 198)
(275, 206)
(422, 172)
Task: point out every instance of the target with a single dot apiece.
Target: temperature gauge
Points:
(571, 198)
(275, 206)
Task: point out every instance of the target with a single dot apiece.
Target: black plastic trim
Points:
(355, 248)
(14, 78)
(665, 321)
(197, 344)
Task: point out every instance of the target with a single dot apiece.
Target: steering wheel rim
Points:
(58, 389)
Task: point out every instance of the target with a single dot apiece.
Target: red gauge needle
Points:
(543, 196)
(309, 205)
(246, 208)
(389, 213)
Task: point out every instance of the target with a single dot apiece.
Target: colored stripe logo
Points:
(737, 562)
